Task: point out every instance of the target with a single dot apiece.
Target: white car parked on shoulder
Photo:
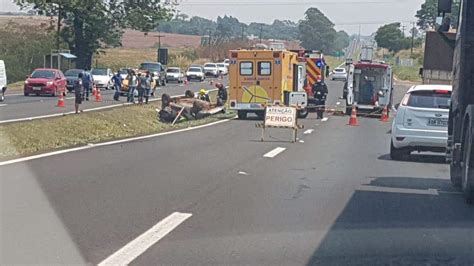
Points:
(222, 69)
(421, 121)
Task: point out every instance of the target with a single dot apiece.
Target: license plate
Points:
(438, 122)
(36, 88)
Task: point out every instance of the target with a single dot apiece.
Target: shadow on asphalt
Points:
(419, 158)
(411, 228)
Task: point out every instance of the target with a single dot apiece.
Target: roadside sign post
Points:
(280, 117)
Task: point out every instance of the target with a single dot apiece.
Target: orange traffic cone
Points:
(94, 91)
(98, 97)
(353, 120)
(384, 117)
(61, 101)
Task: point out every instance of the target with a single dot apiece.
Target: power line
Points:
(287, 3)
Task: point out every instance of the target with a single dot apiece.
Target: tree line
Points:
(315, 31)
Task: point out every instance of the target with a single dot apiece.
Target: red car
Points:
(45, 81)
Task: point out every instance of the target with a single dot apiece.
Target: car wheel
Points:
(401, 154)
(467, 172)
(455, 172)
(242, 115)
(303, 113)
(26, 94)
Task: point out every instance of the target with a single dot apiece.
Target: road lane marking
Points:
(325, 119)
(309, 131)
(90, 145)
(243, 173)
(369, 188)
(142, 243)
(3, 104)
(274, 152)
(338, 103)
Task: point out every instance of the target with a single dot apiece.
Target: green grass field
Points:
(22, 139)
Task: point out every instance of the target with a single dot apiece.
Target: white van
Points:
(3, 80)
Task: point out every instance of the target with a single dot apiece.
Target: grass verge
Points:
(407, 73)
(22, 139)
(16, 87)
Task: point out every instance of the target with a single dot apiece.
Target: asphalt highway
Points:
(218, 196)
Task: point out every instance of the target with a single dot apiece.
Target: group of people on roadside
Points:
(221, 95)
(140, 82)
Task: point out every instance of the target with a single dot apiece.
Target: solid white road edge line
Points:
(309, 131)
(274, 152)
(90, 145)
(139, 245)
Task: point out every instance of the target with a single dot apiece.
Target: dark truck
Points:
(438, 60)
(460, 151)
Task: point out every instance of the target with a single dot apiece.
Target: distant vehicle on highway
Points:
(222, 69)
(157, 69)
(103, 78)
(211, 69)
(174, 74)
(195, 73)
(124, 72)
(71, 76)
(3, 80)
(45, 81)
(421, 122)
(339, 74)
(226, 62)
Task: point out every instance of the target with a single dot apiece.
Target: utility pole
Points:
(209, 41)
(242, 32)
(261, 32)
(412, 39)
(58, 38)
(403, 30)
(358, 38)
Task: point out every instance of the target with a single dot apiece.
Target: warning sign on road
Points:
(280, 116)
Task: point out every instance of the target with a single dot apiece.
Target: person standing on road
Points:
(78, 91)
(117, 79)
(320, 90)
(221, 94)
(149, 80)
(132, 86)
(87, 82)
(141, 87)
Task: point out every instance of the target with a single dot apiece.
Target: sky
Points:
(346, 14)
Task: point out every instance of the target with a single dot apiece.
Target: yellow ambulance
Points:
(258, 78)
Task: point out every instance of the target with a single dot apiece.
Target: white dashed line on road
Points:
(3, 104)
(338, 103)
(325, 119)
(139, 245)
(309, 131)
(274, 152)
